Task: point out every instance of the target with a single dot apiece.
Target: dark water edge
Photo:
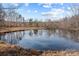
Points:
(43, 39)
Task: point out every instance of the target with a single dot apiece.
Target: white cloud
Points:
(28, 11)
(35, 11)
(61, 3)
(59, 10)
(46, 14)
(53, 12)
(15, 4)
(40, 4)
(47, 5)
(26, 4)
(69, 8)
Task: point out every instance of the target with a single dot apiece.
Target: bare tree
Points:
(2, 16)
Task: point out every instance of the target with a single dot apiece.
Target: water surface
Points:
(43, 39)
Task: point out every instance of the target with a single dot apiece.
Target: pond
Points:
(43, 39)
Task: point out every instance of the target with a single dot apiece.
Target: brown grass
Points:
(12, 50)
(60, 53)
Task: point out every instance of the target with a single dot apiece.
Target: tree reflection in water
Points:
(35, 32)
(12, 38)
(74, 35)
(15, 37)
(30, 33)
(51, 32)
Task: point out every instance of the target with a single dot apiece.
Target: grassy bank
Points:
(60, 53)
(12, 50)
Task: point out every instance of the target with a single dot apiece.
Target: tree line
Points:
(70, 22)
(9, 15)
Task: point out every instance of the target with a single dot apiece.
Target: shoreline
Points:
(15, 29)
(13, 50)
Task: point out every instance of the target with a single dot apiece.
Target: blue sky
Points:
(43, 11)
